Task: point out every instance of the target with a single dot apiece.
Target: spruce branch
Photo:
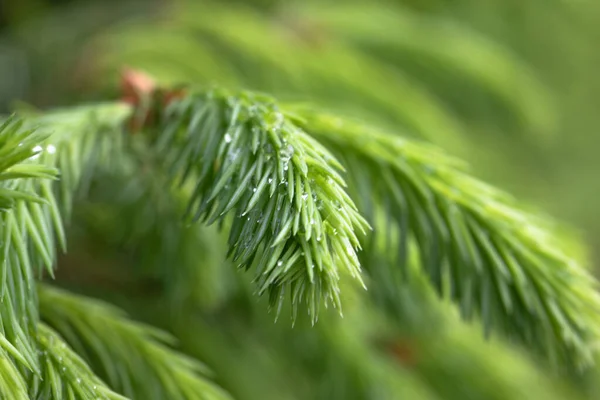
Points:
(474, 243)
(64, 374)
(134, 358)
(18, 172)
(29, 227)
(292, 219)
(12, 383)
(16, 146)
(82, 140)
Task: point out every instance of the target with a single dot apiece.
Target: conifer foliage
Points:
(308, 201)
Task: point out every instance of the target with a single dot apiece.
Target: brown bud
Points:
(135, 85)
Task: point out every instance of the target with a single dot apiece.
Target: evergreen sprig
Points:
(272, 178)
(27, 229)
(292, 218)
(18, 312)
(18, 144)
(64, 374)
(12, 383)
(83, 139)
(78, 141)
(475, 244)
(134, 358)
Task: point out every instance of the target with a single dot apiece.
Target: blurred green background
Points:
(512, 86)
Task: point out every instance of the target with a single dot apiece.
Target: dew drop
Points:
(305, 196)
(51, 149)
(270, 180)
(37, 148)
(254, 190)
(279, 118)
(227, 138)
(312, 221)
(78, 380)
(319, 239)
(279, 263)
(64, 369)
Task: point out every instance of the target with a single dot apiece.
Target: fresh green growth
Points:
(477, 247)
(133, 358)
(292, 218)
(271, 177)
(64, 374)
(21, 215)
